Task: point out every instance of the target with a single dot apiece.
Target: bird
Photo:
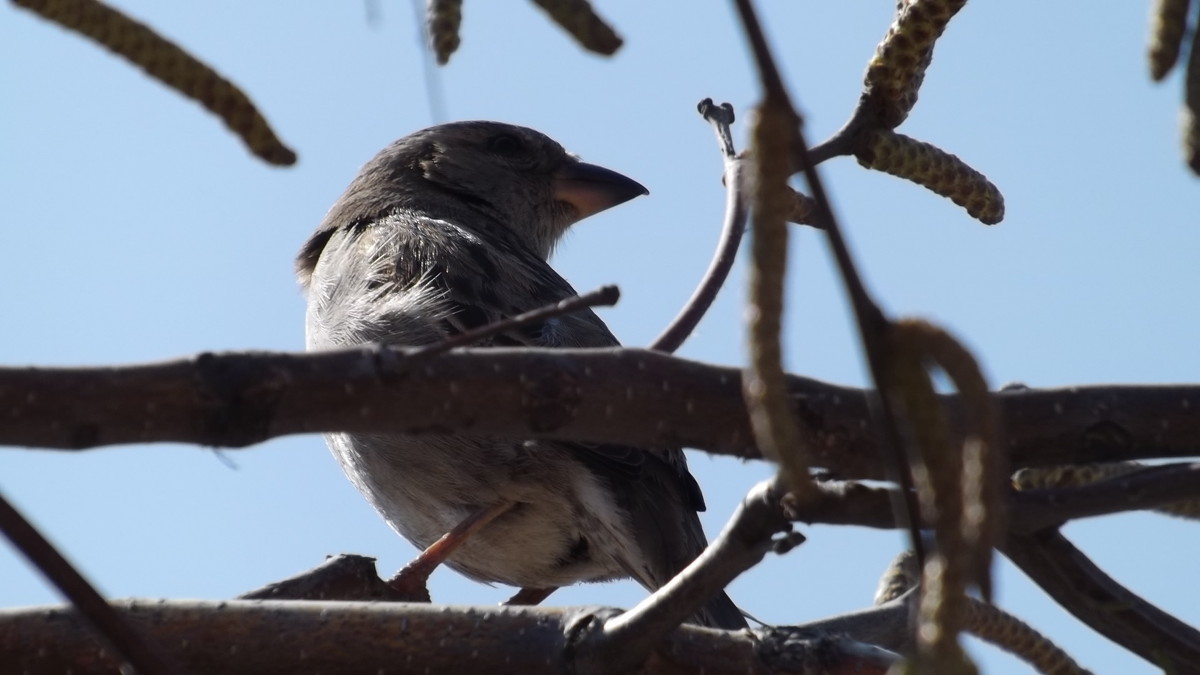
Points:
(448, 229)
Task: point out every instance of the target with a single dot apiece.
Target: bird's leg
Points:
(530, 596)
(412, 581)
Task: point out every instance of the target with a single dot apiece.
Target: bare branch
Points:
(720, 117)
(885, 625)
(303, 636)
(605, 296)
(237, 399)
(99, 616)
(750, 534)
(1152, 487)
(579, 19)
(1096, 599)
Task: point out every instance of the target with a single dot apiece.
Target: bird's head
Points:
(521, 177)
(517, 178)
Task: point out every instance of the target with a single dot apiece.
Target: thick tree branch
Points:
(350, 637)
(237, 399)
(348, 577)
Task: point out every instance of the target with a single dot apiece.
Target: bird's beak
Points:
(591, 189)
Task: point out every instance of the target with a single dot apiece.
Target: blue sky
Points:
(136, 228)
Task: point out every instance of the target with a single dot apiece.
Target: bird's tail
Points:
(720, 612)
(669, 537)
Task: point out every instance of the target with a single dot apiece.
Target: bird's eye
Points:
(505, 144)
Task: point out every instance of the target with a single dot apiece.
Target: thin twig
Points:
(848, 502)
(103, 618)
(720, 117)
(1096, 599)
(605, 296)
(844, 140)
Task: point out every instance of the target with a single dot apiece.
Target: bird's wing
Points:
(495, 281)
(424, 279)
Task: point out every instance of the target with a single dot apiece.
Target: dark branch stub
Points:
(721, 117)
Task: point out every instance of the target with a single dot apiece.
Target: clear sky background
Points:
(135, 228)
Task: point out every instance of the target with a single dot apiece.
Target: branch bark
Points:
(238, 399)
(353, 637)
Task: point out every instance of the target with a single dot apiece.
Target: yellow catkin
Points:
(444, 20)
(579, 19)
(1191, 105)
(764, 385)
(895, 73)
(1009, 633)
(169, 64)
(932, 168)
(1168, 23)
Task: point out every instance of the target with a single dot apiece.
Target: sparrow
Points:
(446, 230)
